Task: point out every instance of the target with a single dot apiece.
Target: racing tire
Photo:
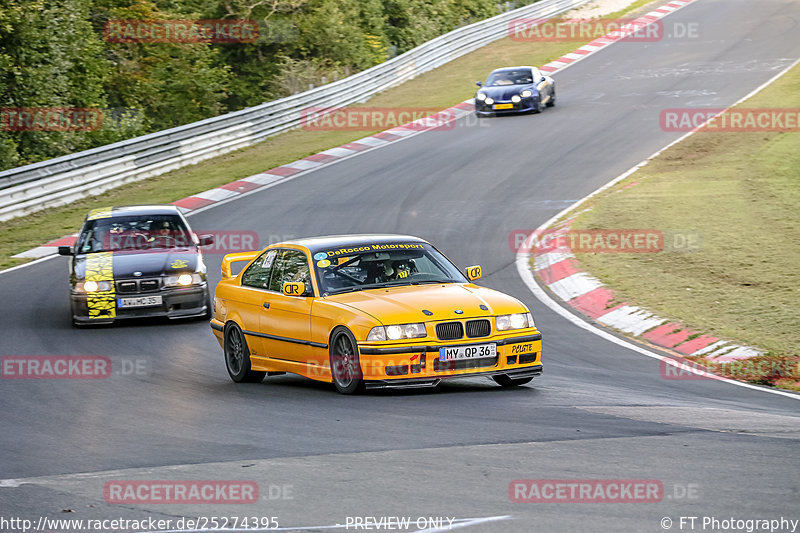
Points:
(505, 381)
(345, 365)
(552, 101)
(209, 314)
(237, 357)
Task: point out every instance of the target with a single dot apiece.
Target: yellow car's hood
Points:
(399, 305)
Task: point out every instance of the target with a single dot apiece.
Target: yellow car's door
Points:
(250, 300)
(286, 320)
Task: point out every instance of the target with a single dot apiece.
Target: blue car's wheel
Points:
(552, 101)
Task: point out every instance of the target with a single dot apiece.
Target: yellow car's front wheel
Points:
(237, 356)
(345, 365)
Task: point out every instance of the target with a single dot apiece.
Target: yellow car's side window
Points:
(291, 266)
(258, 273)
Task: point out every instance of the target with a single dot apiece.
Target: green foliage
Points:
(49, 57)
(54, 53)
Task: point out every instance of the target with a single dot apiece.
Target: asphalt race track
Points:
(600, 411)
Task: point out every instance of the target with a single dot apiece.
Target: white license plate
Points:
(140, 301)
(476, 351)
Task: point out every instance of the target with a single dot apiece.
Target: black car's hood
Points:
(151, 263)
(505, 92)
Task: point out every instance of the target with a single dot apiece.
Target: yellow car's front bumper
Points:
(419, 365)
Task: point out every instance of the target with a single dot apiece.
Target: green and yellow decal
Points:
(100, 212)
(99, 267)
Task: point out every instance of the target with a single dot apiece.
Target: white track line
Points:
(524, 268)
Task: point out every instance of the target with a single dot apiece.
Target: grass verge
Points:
(740, 192)
(441, 88)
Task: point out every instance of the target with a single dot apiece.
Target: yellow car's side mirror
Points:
(235, 258)
(474, 272)
(294, 288)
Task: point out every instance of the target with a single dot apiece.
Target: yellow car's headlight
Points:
(397, 332)
(515, 321)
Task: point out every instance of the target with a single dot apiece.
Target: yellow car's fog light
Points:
(397, 332)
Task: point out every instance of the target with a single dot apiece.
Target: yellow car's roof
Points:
(333, 241)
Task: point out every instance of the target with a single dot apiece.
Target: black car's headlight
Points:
(183, 280)
(515, 321)
(93, 286)
(527, 93)
(397, 332)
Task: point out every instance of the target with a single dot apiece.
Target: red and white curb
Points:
(435, 122)
(559, 270)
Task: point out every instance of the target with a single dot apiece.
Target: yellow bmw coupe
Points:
(369, 311)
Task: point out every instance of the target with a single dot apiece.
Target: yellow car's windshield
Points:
(380, 265)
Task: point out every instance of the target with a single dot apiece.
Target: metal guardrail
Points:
(65, 179)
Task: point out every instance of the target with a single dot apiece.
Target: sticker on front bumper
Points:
(100, 267)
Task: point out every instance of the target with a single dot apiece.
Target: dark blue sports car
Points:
(515, 90)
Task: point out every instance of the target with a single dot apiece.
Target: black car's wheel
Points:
(345, 366)
(505, 381)
(552, 101)
(209, 308)
(237, 357)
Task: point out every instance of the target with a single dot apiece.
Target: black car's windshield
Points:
(380, 265)
(509, 77)
(135, 232)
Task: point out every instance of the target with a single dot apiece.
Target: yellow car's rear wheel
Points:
(237, 356)
(345, 365)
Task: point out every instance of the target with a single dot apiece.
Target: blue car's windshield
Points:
(509, 77)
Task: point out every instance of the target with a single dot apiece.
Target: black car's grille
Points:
(448, 331)
(148, 285)
(126, 286)
(134, 286)
(478, 328)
